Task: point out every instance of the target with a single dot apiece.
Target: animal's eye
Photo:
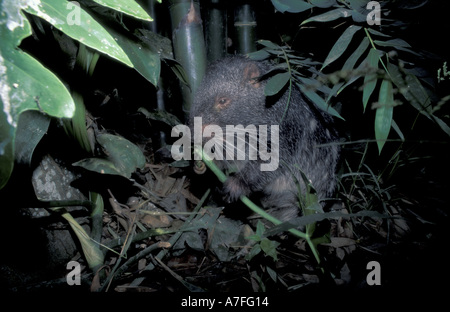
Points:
(222, 101)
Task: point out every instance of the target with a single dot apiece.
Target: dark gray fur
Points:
(304, 127)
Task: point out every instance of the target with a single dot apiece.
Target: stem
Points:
(222, 177)
(373, 46)
(290, 85)
(173, 239)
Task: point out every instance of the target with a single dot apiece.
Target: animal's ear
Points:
(251, 74)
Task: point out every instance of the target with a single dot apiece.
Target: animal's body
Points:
(232, 93)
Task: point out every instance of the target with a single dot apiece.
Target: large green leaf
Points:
(24, 83)
(383, 115)
(123, 157)
(31, 128)
(127, 7)
(292, 6)
(315, 98)
(75, 22)
(143, 55)
(323, 3)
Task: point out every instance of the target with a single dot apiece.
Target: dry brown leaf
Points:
(190, 197)
(164, 244)
(164, 185)
(142, 264)
(155, 221)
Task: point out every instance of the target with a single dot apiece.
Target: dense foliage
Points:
(99, 84)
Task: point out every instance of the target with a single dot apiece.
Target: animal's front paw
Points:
(233, 188)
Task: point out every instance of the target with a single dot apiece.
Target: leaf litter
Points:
(211, 251)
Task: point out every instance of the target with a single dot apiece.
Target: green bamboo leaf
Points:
(317, 100)
(351, 61)
(416, 95)
(409, 51)
(370, 80)
(292, 6)
(355, 76)
(323, 3)
(329, 16)
(348, 66)
(420, 99)
(359, 10)
(397, 42)
(341, 45)
(377, 33)
(412, 90)
(126, 6)
(383, 115)
(259, 55)
(397, 129)
(269, 44)
(72, 20)
(276, 83)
